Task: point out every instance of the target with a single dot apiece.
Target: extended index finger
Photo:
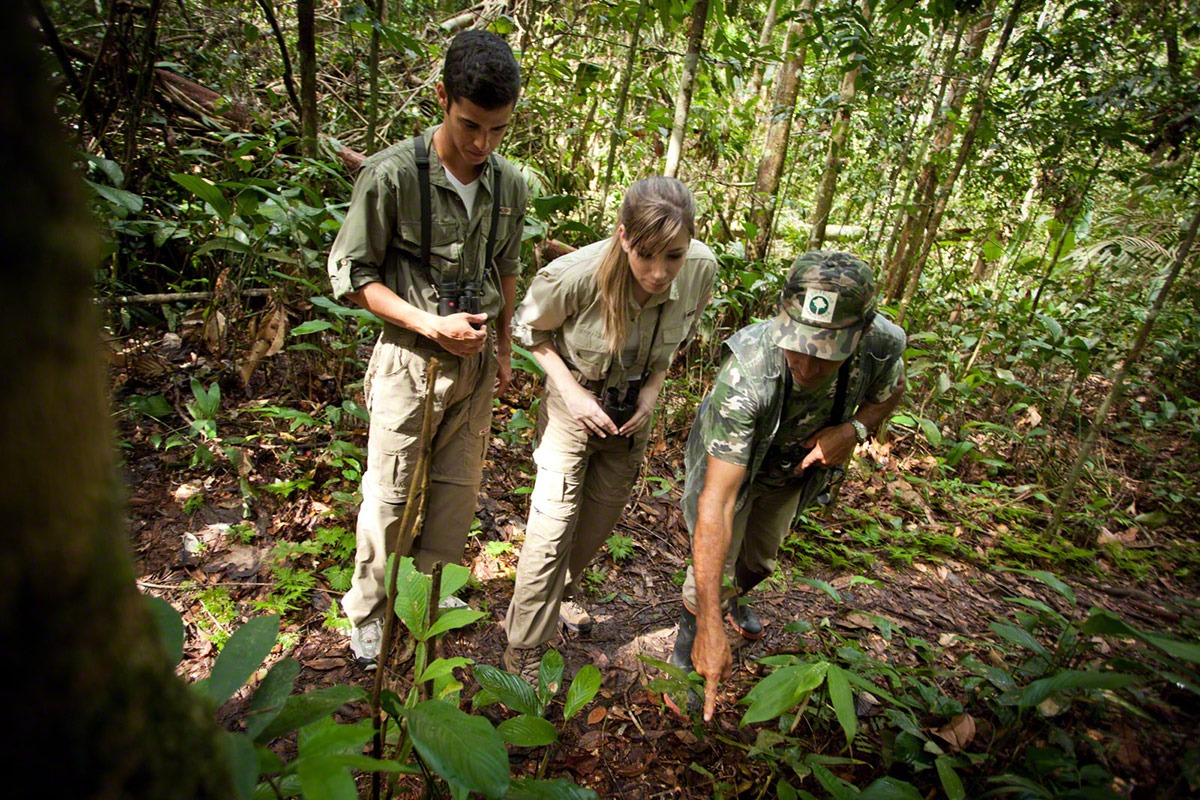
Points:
(710, 697)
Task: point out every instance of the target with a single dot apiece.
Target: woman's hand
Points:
(586, 410)
(646, 401)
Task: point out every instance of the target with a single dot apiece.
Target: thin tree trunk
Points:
(133, 121)
(622, 97)
(288, 82)
(964, 151)
(839, 134)
(938, 139)
(783, 108)
(687, 82)
(903, 165)
(764, 39)
(101, 713)
(306, 44)
(1118, 382)
(380, 10)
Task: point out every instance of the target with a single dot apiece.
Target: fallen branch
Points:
(172, 297)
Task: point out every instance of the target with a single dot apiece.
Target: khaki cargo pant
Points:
(758, 529)
(583, 483)
(395, 388)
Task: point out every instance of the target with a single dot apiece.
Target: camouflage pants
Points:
(395, 388)
(583, 483)
(758, 529)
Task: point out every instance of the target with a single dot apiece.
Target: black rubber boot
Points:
(681, 656)
(740, 615)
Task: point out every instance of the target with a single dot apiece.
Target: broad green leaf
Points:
(207, 191)
(170, 627)
(454, 577)
(312, 326)
(442, 667)
(300, 710)
(242, 761)
(784, 791)
(782, 690)
(271, 696)
(1019, 636)
(509, 689)
(326, 737)
(823, 586)
(243, 654)
(1053, 581)
(527, 731)
(837, 788)
(453, 619)
(889, 789)
(843, 701)
(1065, 681)
(412, 598)
(930, 429)
(550, 673)
(583, 689)
(325, 779)
(951, 784)
(465, 750)
(133, 203)
(558, 789)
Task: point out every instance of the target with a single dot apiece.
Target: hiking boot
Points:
(365, 642)
(681, 656)
(523, 662)
(575, 617)
(744, 620)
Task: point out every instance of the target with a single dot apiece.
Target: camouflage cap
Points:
(828, 301)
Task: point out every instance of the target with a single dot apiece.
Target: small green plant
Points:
(620, 547)
(498, 548)
(193, 504)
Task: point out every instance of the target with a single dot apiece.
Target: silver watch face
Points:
(860, 430)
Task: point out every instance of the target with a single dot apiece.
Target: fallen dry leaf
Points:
(598, 714)
(958, 732)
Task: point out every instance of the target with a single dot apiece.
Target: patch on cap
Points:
(818, 306)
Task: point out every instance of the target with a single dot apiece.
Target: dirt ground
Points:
(625, 744)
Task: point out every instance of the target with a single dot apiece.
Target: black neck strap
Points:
(422, 158)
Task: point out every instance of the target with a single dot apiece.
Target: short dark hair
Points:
(480, 67)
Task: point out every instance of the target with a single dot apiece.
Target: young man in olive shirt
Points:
(378, 262)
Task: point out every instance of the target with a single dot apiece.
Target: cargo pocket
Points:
(397, 408)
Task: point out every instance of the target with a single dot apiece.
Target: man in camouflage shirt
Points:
(767, 436)
(476, 208)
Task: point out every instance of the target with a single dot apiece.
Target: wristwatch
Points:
(860, 430)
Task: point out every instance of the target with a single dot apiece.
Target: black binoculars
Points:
(784, 467)
(456, 298)
(620, 409)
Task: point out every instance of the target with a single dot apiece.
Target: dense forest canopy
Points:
(1022, 176)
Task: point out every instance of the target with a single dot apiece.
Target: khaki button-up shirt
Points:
(563, 306)
(380, 238)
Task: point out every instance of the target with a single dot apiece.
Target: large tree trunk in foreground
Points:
(100, 712)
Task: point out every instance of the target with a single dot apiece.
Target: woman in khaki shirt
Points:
(604, 323)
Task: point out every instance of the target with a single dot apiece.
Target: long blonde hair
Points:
(653, 212)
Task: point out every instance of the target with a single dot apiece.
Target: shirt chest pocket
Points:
(672, 335)
(588, 350)
(445, 245)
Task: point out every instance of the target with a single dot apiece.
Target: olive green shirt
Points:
(563, 306)
(380, 238)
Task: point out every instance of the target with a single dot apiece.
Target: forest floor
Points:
(208, 538)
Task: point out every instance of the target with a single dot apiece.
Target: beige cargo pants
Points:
(758, 529)
(395, 388)
(583, 483)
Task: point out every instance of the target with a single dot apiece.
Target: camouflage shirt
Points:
(380, 238)
(746, 419)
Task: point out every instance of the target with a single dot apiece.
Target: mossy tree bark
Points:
(100, 711)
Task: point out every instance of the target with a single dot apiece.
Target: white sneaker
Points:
(365, 642)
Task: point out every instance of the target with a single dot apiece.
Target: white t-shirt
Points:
(466, 191)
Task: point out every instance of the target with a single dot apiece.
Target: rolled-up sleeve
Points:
(546, 306)
(359, 251)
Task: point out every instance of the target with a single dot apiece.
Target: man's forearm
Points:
(508, 287)
(873, 415)
(391, 307)
(710, 548)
